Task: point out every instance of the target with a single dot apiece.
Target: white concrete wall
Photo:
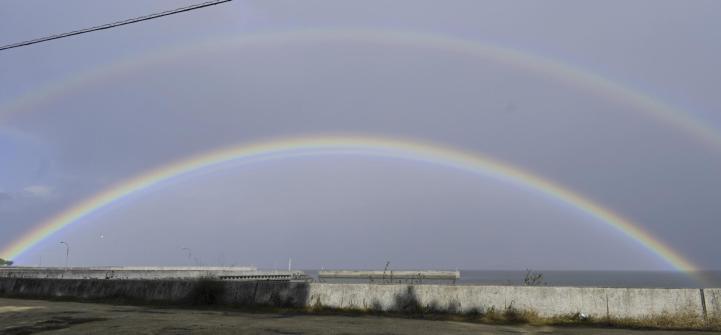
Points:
(713, 302)
(627, 302)
(546, 301)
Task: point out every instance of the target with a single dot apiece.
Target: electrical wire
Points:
(113, 24)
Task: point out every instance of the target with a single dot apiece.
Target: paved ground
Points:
(32, 316)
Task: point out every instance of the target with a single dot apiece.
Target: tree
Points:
(5, 263)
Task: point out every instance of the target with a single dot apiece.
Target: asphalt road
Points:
(33, 316)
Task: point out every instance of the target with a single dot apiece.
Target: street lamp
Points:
(67, 252)
(190, 253)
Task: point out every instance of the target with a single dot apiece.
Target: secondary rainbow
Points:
(366, 145)
(523, 60)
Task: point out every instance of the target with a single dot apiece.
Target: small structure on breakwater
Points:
(389, 276)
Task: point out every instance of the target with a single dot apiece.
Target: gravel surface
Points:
(49, 317)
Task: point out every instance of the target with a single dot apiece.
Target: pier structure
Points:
(237, 273)
(390, 276)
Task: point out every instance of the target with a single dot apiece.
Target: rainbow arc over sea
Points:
(522, 60)
(284, 148)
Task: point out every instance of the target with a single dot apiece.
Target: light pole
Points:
(67, 252)
(190, 253)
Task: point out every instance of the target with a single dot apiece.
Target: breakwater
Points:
(124, 272)
(151, 273)
(598, 303)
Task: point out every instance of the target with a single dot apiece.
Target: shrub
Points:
(533, 278)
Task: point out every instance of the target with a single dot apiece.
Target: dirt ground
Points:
(50, 317)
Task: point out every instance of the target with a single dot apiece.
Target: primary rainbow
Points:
(379, 146)
(563, 72)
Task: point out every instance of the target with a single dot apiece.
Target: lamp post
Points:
(67, 252)
(190, 253)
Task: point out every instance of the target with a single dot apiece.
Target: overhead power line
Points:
(114, 24)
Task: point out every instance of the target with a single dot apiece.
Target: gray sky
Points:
(341, 211)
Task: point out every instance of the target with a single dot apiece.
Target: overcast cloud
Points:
(354, 211)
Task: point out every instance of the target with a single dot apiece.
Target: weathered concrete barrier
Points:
(204, 291)
(544, 301)
(713, 302)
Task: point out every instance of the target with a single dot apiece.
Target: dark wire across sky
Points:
(113, 24)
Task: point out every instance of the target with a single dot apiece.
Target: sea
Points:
(631, 279)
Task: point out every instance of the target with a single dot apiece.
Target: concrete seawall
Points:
(545, 301)
(216, 292)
